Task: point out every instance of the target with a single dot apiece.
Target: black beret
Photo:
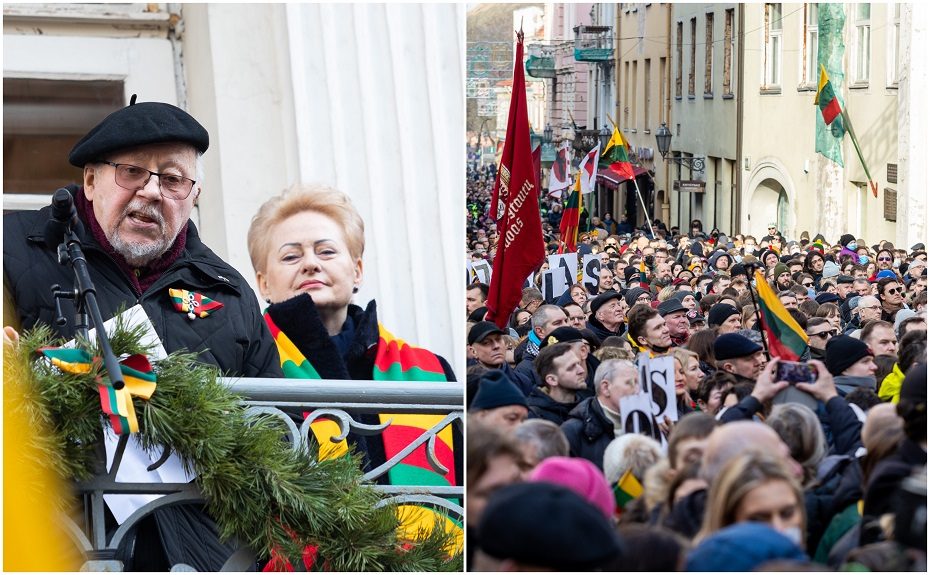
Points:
(564, 334)
(670, 306)
(497, 390)
(481, 330)
(521, 522)
(605, 297)
(137, 125)
(719, 313)
(734, 345)
(843, 351)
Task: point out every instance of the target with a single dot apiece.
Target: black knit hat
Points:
(605, 297)
(522, 521)
(137, 125)
(734, 345)
(633, 293)
(843, 351)
(719, 314)
(496, 390)
(846, 238)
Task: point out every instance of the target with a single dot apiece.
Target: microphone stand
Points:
(85, 302)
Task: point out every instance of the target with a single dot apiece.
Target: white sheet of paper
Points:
(659, 375)
(638, 407)
(134, 465)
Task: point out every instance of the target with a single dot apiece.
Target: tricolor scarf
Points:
(394, 360)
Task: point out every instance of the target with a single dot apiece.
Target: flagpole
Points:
(855, 141)
(648, 219)
(752, 294)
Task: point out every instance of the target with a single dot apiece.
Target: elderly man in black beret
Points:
(142, 176)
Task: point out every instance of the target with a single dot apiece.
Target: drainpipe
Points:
(668, 109)
(740, 99)
(176, 37)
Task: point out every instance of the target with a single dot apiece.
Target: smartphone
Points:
(794, 372)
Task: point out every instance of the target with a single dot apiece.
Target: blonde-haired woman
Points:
(756, 487)
(306, 246)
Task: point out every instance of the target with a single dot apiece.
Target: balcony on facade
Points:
(541, 62)
(593, 44)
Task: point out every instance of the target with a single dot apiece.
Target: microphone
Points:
(64, 217)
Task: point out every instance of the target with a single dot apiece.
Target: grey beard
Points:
(138, 255)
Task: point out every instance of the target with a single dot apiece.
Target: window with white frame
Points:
(693, 57)
(811, 39)
(773, 43)
(679, 52)
(894, 41)
(862, 53)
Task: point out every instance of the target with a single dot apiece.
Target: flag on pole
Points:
(615, 157)
(826, 98)
(785, 337)
(560, 175)
(515, 207)
(571, 216)
(588, 168)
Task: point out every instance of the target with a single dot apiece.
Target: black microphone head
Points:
(63, 217)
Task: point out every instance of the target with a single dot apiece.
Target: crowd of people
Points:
(756, 471)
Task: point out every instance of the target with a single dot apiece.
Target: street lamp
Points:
(547, 134)
(664, 141)
(604, 137)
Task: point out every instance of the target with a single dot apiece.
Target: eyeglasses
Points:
(895, 290)
(171, 186)
(871, 307)
(884, 259)
(825, 334)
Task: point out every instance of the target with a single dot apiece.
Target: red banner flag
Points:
(515, 207)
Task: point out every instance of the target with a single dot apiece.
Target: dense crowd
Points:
(757, 471)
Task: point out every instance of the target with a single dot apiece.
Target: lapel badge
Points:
(192, 303)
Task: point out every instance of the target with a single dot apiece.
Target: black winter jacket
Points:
(542, 406)
(588, 431)
(234, 338)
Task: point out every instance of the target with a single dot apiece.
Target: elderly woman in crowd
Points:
(306, 246)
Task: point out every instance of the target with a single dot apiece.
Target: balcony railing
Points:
(541, 61)
(340, 401)
(593, 44)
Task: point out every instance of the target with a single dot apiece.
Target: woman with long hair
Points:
(755, 487)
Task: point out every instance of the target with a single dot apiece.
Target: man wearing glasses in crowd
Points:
(819, 330)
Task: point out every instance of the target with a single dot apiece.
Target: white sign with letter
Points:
(592, 272)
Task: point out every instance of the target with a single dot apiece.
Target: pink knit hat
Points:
(581, 476)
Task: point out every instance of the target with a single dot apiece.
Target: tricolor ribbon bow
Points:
(192, 303)
(138, 376)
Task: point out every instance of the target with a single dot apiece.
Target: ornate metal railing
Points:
(340, 401)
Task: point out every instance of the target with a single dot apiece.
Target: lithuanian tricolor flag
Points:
(786, 339)
(615, 157)
(826, 98)
(627, 489)
(571, 215)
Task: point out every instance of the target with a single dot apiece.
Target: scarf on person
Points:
(394, 360)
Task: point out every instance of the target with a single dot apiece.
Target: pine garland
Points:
(257, 487)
